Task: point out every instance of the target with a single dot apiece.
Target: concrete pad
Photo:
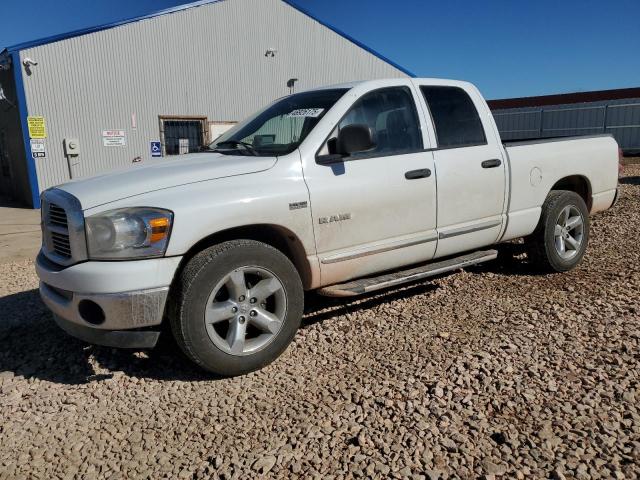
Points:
(20, 235)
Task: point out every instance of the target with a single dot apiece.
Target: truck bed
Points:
(537, 140)
(539, 165)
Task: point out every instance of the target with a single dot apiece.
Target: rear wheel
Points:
(237, 307)
(560, 239)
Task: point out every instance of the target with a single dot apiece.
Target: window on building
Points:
(455, 118)
(183, 135)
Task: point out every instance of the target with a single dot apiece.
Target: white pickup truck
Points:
(344, 189)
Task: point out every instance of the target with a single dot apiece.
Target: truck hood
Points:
(161, 173)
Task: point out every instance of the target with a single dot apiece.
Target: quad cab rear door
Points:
(470, 168)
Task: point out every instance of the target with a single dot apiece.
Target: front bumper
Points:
(95, 301)
(110, 338)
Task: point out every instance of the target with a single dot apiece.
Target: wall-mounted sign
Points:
(38, 148)
(114, 138)
(156, 149)
(37, 127)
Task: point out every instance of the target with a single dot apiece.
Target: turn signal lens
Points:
(159, 229)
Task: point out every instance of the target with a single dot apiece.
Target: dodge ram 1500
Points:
(344, 189)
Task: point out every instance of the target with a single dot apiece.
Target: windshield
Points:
(281, 127)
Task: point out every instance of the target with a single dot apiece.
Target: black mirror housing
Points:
(355, 138)
(329, 159)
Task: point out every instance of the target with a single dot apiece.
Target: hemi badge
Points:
(297, 205)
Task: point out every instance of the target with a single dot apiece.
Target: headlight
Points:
(128, 233)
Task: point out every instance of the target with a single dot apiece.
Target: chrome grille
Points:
(57, 215)
(63, 240)
(61, 244)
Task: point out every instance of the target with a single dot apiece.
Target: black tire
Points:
(191, 292)
(540, 245)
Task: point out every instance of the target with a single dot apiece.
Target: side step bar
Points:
(371, 284)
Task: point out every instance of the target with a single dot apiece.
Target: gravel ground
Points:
(490, 372)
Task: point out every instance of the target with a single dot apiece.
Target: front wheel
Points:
(236, 307)
(561, 237)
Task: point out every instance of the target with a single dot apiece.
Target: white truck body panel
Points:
(112, 277)
(352, 218)
(162, 173)
(404, 213)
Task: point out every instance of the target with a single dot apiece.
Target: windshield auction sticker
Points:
(306, 112)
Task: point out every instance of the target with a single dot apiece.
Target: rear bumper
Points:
(603, 200)
(615, 198)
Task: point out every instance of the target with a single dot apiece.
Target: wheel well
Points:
(276, 236)
(577, 184)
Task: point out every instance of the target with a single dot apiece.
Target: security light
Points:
(291, 83)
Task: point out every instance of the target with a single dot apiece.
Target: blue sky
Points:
(508, 48)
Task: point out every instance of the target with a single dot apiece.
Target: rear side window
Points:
(456, 119)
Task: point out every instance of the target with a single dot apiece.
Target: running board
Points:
(371, 284)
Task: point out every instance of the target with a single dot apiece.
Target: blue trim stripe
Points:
(106, 26)
(22, 109)
(350, 38)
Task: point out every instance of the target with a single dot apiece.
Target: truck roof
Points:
(383, 81)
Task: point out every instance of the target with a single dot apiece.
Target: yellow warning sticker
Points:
(37, 127)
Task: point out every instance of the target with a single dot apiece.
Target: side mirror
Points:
(355, 138)
(351, 139)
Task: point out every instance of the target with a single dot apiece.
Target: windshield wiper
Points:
(238, 143)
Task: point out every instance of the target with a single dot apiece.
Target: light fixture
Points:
(271, 52)
(291, 83)
(28, 63)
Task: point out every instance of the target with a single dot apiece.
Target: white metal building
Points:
(86, 102)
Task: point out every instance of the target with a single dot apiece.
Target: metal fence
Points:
(621, 118)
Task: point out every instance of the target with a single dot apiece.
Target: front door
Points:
(471, 171)
(377, 209)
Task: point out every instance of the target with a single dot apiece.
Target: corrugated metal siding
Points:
(620, 117)
(14, 180)
(206, 61)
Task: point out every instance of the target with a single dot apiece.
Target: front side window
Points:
(281, 127)
(455, 118)
(391, 115)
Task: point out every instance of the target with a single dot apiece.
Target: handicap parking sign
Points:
(156, 149)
